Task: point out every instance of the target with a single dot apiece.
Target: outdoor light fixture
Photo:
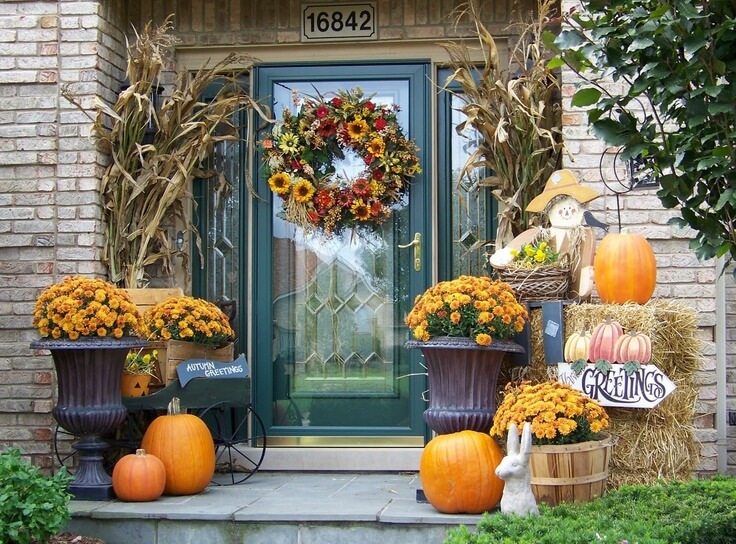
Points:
(179, 243)
(154, 97)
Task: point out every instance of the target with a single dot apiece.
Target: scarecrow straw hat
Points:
(561, 182)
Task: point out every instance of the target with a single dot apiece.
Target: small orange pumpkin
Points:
(625, 268)
(139, 477)
(577, 346)
(184, 444)
(633, 346)
(458, 472)
(603, 340)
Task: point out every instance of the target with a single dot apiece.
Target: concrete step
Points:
(276, 508)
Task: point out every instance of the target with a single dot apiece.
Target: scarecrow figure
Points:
(564, 203)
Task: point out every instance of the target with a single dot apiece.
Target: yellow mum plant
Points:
(85, 307)
(538, 253)
(474, 307)
(558, 413)
(188, 319)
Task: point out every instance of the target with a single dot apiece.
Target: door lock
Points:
(417, 243)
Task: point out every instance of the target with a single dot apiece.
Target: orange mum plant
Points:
(558, 413)
(188, 319)
(474, 307)
(85, 307)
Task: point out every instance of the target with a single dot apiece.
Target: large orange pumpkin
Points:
(185, 446)
(139, 477)
(625, 269)
(458, 472)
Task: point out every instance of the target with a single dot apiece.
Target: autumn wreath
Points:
(301, 153)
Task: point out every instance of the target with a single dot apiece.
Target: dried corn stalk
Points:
(147, 186)
(515, 110)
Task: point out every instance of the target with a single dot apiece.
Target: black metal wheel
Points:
(128, 436)
(61, 444)
(240, 440)
(63, 449)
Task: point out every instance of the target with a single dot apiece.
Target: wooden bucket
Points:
(569, 473)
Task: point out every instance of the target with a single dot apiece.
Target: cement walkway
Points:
(275, 508)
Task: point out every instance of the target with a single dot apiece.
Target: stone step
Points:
(275, 508)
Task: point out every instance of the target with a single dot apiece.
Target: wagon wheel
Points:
(240, 439)
(65, 455)
(128, 436)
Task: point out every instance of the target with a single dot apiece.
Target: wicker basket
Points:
(541, 283)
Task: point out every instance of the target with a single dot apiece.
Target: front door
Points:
(327, 331)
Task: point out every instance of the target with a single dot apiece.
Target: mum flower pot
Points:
(89, 404)
(462, 379)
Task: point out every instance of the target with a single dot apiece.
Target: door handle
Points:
(417, 243)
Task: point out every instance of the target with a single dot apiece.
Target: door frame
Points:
(420, 214)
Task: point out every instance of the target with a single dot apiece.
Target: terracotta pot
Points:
(462, 382)
(88, 373)
(571, 472)
(134, 385)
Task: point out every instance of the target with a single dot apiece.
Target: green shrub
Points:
(33, 507)
(684, 512)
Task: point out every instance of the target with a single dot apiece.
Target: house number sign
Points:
(322, 22)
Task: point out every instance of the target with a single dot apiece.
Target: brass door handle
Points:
(417, 243)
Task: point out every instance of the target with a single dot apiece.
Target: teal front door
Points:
(327, 328)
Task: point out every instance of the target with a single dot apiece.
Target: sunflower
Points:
(280, 183)
(376, 147)
(360, 210)
(303, 191)
(357, 129)
(289, 143)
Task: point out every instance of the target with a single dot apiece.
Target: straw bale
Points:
(651, 444)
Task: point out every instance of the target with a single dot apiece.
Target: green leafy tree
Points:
(660, 80)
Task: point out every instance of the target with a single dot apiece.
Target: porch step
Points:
(276, 508)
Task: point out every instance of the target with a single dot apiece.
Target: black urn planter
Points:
(462, 381)
(88, 373)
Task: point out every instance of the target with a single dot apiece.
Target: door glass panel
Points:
(467, 211)
(338, 306)
(223, 225)
(469, 205)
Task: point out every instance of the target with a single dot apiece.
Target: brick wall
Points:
(243, 22)
(49, 174)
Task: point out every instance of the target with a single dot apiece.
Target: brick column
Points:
(49, 176)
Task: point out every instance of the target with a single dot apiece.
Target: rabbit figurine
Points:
(517, 495)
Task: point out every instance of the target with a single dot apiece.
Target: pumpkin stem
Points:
(140, 452)
(174, 408)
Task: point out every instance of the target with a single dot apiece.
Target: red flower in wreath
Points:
(300, 159)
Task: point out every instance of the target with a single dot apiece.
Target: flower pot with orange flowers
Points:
(89, 326)
(464, 329)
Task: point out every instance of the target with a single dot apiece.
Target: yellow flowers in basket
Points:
(188, 319)
(558, 413)
(538, 253)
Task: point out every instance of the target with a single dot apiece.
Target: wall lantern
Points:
(155, 98)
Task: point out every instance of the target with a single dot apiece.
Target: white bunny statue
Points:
(517, 495)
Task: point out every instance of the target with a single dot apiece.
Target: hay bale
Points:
(651, 444)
